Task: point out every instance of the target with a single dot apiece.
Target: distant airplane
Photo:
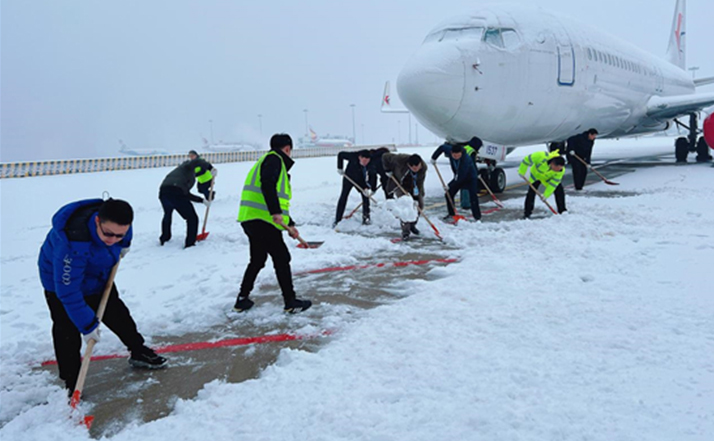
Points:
(140, 152)
(313, 140)
(516, 76)
(222, 147)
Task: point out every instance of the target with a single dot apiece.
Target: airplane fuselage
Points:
(525, 76)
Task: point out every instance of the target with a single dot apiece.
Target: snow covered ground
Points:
(596, 325)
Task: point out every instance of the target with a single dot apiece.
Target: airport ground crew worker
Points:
(546, 168)
(410, 171)
(264, 215)
(361, 170)
(175, 194)
(86, 240)
(471, 148)
(465, 176)
(581, 145)
(205, 173)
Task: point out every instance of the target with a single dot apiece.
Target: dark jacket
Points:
(365, 177)
(582, 146)
(376, 158)
(399, 165)
(269, 175)
(181, 179)
(463, 170)
(74, 262)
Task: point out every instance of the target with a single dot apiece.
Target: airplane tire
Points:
(498, 180)
(681, 149)
(703, 151)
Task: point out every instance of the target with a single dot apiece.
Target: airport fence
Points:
(71, 166)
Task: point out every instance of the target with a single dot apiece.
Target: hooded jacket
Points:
(75, 263)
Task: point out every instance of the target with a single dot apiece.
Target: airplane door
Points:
(566, 64)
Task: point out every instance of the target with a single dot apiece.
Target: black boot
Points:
(243, 304)
(297, 305)
(146, 358)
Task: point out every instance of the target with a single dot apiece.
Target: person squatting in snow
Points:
(87, 239)
(409, 171)
(360, 171)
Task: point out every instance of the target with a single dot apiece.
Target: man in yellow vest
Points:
(546, 168)
(205, 173)
(264, 214)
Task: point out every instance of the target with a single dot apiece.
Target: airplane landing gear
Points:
(494, 176)
(683, 146)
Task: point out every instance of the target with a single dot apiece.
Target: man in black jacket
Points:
(175, 194)
(581, 145)
(361, 170)
(376, 159)
(465, 177)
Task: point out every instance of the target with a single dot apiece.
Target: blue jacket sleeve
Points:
(69, 264)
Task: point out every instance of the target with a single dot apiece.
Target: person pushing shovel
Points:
(87, 239)
(546, 168)
(264, 215)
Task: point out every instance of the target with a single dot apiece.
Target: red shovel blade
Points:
(88, 419)
(202, 236)
(611, 183)
(310, 245)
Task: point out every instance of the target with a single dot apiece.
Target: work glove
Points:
(124, 252)
(366, 193)
(94, 335)
(214, 172)
(340, 172)
(433, 161)
(570, 152)
(389, 174)
(206, 202)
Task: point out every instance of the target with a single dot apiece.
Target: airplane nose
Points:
(431, 84)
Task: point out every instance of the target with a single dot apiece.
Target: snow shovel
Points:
(359, 205)
(303, 243)
(457, 216)
(203, 235)
(360, 188)
(539, 195)
(418, 208)
(495, 199)
(88, 419)
(605, 180)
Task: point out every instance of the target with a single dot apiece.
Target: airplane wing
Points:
(386, 104)
(703, 81)
(668, 107)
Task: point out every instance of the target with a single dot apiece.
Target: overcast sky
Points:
(79, 75)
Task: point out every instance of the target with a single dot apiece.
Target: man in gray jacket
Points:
(410, 171)
(175, 194)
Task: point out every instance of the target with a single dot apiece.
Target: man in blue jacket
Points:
(465, 177)
(87, 239)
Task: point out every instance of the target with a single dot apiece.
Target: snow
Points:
(597, 325)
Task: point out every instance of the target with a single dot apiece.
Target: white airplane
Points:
(140, 152)
(316, 141)
(226, 147)
(518, 75)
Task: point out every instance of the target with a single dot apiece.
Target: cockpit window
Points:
(493, 37)
(455, 34)
(510, 38)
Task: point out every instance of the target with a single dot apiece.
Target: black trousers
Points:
(266, 240)
(580, 172)
(559, 198)
(471, 186)
(205, 190)
(182, 204)
(342, 203)
(67, 339)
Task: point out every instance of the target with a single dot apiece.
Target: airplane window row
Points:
(622, 63)
(501, 38)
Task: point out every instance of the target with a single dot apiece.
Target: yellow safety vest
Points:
(541, 171)
(252, 201)
(204, 177)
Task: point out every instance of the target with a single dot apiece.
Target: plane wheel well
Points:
(681, 149)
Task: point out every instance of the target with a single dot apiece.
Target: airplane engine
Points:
(709, 130)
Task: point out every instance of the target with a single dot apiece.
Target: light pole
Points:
(410, 128)
(399, 132)
(693, 69)
(354, 136)
(416, 133)
(307, 133)
(210, 121)
(260, 123)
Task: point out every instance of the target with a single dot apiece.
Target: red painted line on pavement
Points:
(375, 265)
(216, 344)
